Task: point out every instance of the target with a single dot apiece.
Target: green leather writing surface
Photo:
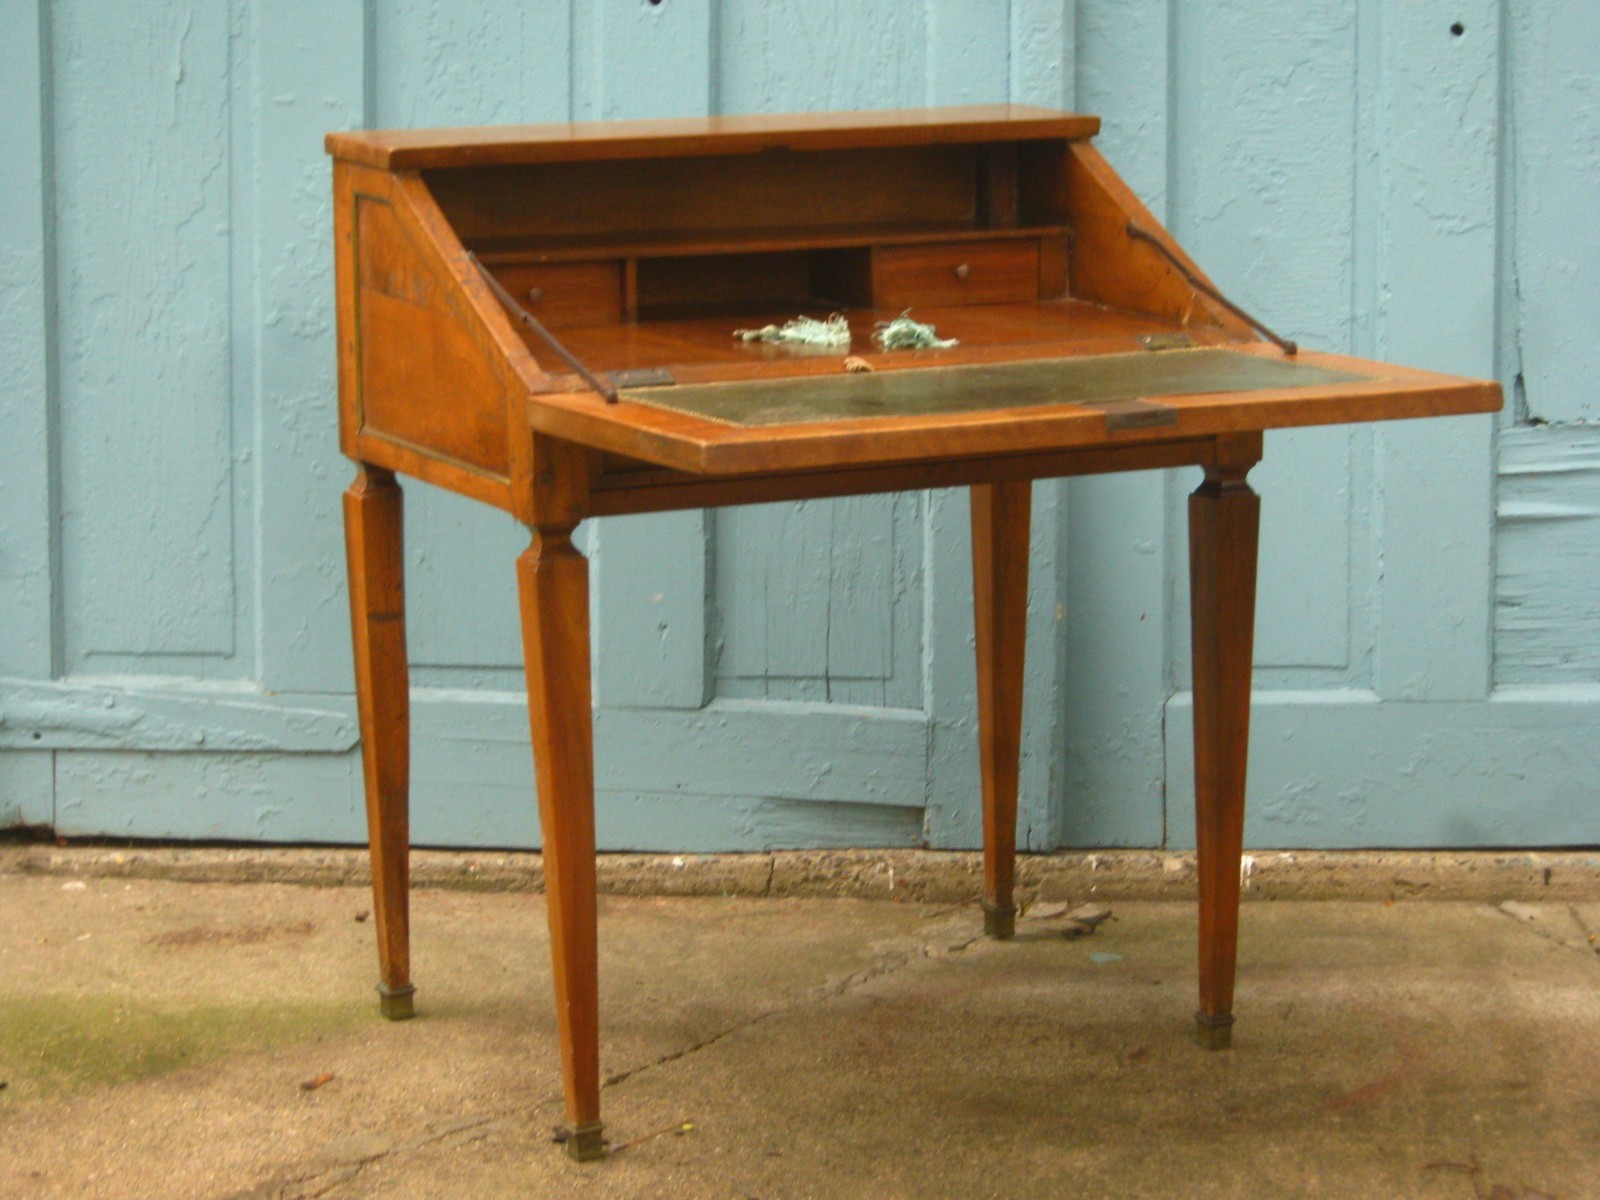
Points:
(1094, 380)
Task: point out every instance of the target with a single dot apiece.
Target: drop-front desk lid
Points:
(921, 404)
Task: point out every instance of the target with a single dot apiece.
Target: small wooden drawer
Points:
(956, 273)
(568, 293)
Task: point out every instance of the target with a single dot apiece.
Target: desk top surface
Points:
(422, 149)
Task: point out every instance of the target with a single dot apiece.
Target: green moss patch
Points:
(55, 1044)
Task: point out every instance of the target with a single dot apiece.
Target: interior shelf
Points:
(568, 248)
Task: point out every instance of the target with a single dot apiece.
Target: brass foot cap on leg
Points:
(396, 1003)
(999, 922)
(1214, 1033)
(585, 1143)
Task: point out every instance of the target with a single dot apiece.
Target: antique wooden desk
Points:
(1088, 342)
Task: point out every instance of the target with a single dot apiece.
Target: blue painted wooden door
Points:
(1404, 181)
(795, 674)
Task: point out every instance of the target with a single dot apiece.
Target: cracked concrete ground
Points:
(157, 1037)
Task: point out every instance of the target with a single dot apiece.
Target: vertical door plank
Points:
(969, 49)
(820, 601)
(829, 618)
(1547, 575)
(797, 551)
(1306, 543)
(861, 599)
(1123, 76)
(740, 584)
(1043, 69)
(1438, 103)
(487, 62)
(651, 624)
(143, 304)
(29, 565)
(644, 60)
(1554, 291)
(953, 819)
(1044, 49)
(1040, 70)
(814, 55)
(1115, 677)
(456, 555)
(1115, 538)
(312, 64)
(903, 686)
(1265, 199)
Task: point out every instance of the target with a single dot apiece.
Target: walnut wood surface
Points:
(372, 521)
(567, 293)
(694, 444)
(624, 486)
(1000, 515)
(421, 369)
(736, 200)
(1109, 267)
(677, 243)
(418, 256)
(419, 148)
(1224, 525)
(553, 581)
(652, 242)
(699, 347)
(969, 272)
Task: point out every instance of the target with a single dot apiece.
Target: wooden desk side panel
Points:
(425, 386)
(1109, 267)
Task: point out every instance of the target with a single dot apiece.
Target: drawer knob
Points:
(962, 271)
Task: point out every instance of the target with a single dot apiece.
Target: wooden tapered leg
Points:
(1000, 513)
(373, 545)
(553, 580)
(1224, 521)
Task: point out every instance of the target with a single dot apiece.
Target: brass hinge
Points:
(1166, 341)
(1137, 414)
(642, 377)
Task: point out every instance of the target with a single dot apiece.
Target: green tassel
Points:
(807, 331)
(903, 333)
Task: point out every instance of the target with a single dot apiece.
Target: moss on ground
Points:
(53, 1044)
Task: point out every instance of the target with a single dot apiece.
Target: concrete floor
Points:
(156, 1037)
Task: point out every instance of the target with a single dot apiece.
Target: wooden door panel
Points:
(143, 374)
(810, 598)
(461, 599)
(1335, 167)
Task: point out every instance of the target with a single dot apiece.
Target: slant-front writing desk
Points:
(1088, 342)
